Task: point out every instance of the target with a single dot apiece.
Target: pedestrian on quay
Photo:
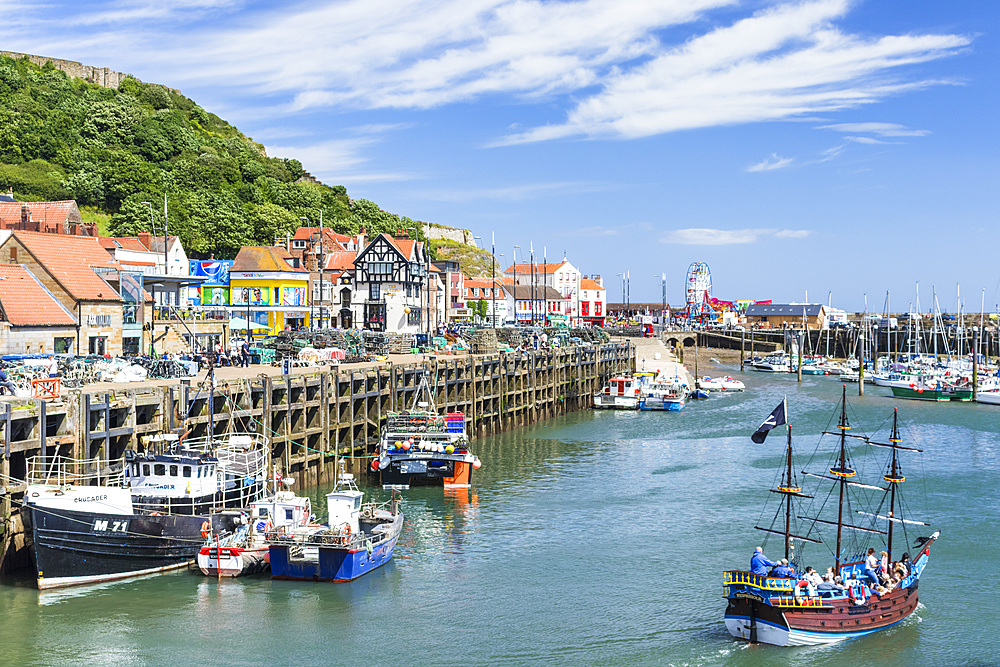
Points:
(6, 384)
(245, 354)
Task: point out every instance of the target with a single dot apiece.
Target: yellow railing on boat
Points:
(758, 581)
(798, 601)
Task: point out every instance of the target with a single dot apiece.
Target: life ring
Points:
(206, 527)
(345, 534)
(268, 527)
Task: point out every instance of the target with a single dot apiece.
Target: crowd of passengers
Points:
(880, 576)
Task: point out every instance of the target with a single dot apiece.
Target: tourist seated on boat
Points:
(812, 576)
(759, 562)
(905, 564)
(827, 583)
(782, 569)
(838, 582)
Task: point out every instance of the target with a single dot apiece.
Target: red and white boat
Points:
(245, 550)
(620, 392)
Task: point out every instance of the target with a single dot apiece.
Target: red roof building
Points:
(51, 217)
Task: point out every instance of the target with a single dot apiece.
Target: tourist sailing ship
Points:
(786, 611)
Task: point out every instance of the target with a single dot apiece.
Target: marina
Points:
(541, 492)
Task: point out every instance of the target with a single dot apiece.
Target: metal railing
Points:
(63, 471)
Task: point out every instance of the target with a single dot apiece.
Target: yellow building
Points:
(268, 286)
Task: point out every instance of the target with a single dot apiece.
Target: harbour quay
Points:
(311, 417)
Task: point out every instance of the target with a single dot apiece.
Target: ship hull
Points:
(332, 563)
(402, 472)
(804, 626)
(71, 548)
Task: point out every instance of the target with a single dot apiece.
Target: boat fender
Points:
(206, 527)
(375, 464)
(857, 594)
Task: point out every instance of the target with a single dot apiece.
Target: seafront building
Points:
(563, 277)
(139, 294)
(269, 288)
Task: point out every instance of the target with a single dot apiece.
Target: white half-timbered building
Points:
(390, 277)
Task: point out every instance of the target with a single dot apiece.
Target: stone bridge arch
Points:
(677, 339)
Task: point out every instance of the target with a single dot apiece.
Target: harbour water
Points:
(593, 539)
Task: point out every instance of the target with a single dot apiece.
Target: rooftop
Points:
(71, 260)
(25, 301)
(264, 258)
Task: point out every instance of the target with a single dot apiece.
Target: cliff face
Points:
(439, 232)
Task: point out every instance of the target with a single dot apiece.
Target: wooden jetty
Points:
(310, 417)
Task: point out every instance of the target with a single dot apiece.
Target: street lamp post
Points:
(152, 319)
(531, 247)
(501, 278)
(516, 248)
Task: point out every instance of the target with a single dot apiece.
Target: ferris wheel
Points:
(698, 290)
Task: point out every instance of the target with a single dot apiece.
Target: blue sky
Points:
(804, 146)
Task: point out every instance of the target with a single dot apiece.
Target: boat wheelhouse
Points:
(795, 610)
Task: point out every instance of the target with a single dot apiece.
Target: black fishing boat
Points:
(93, 520)
(788, 607)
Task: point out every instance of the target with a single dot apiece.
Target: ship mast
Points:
(843, 472)
(893, 477)
(788, 496)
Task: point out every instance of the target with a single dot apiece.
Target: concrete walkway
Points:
(646, 350)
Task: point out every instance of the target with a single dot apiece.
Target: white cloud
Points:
(336, 161)
(770, 164)
(708, 236)
(866, 140)
(783, 63)
(880, 129)
(792, 233)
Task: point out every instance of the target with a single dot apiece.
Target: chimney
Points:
(144, 239)
(25, 216)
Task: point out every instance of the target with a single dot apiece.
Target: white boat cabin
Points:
(182, 475)
(284, 510)
(343, 504)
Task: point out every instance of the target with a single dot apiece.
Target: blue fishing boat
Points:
(664, 394)
(356, 539)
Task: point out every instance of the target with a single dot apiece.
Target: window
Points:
(380, 268)
(288, 514)
(145, 469)
(585, 306)
(198, 473)
(62, 345)
(159, 469)
(299, 243)
(173, 471)
(187, 471)
(374, 291)
(357, 503)
(262, 512)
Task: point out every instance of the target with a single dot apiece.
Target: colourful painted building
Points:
(268, 284)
